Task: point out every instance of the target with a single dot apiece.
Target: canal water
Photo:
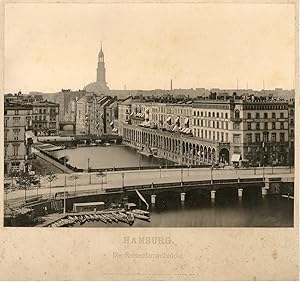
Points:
(198, 211)
(107, 157)
(272, 211)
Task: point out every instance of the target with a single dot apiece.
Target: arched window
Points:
(265, 115)
(237, 114)
(257, 115)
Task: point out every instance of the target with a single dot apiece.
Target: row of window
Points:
(211, 123)
(265, 116)
(210, 114)
(265, 107)
(265, 137)
(266, 126)
(211, 135)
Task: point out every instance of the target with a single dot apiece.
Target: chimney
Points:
(171, 85)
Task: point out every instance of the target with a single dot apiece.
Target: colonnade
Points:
(172, 146)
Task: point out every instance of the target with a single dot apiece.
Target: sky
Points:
(49, 47)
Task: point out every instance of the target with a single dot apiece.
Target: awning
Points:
(186, 121)
(177, 120)
(168, 119)
(235, 157)
(175, 128)
(112, 123)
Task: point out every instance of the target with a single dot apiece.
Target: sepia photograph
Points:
(149, 115)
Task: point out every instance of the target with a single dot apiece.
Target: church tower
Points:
(101, 69)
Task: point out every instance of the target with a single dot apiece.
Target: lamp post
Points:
(123, 176)
(181, 176)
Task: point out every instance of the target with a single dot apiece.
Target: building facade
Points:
(229, 129)
(17, 145)
(45, 118)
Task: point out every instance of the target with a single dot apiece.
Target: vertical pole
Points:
(38, 186)
(65, 172)
(181, 176)
(160, 171)
(64, 199)
(123, 180)
(102, 182)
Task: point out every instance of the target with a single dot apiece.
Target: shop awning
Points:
(168, 119)
(112, 123)
(235, 157)
(177, 120)
(175, 128)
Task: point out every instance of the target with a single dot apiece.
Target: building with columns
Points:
(226, 129)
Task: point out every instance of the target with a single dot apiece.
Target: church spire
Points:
(101, 68)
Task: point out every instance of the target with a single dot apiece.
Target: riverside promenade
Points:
(92, 181)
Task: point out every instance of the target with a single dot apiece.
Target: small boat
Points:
(102, 218)
(96, 217)
(106, 218)
(83, 220)
(142, 217)
(130, 218)
(109, 215)
(107, 144)
(288, 197)
(87, 217)
(142, 212)
(92, 217)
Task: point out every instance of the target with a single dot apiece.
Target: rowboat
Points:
(142, 217)
(142, 212)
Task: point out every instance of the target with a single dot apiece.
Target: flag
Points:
(142, 198)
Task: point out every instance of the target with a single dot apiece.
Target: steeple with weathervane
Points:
(101, 68)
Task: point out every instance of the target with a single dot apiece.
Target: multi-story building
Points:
(227, 129)
(111, 118)
(292, 131)
(96, 115)
(17, 145)
(45, 118)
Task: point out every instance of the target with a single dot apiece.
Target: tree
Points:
(25, 180)
(50, 177)
(74, 177)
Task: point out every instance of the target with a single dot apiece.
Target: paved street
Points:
(114, 179)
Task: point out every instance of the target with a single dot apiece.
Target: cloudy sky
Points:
(54, 46)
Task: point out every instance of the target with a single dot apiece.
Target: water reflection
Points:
(273, 211)
(108, 157)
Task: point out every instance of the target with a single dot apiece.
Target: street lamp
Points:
(181, 176)
(123, 175)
